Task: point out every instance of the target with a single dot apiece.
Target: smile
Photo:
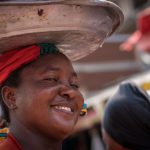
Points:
(64, 109)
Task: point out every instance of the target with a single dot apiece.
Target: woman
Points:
(40, 98)
(126, 124)
(39, 88)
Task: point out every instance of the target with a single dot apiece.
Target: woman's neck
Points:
(33, 140)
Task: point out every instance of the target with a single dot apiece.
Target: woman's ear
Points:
(8, 96)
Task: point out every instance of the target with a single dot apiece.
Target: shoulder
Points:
(10, 144)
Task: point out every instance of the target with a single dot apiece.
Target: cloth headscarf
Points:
(127, 117)
(12, 60)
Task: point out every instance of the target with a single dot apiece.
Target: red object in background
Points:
(142, 35)
(144, 21)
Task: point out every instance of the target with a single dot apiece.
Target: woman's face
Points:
(48, 99)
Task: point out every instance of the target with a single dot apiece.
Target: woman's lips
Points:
(65, 109)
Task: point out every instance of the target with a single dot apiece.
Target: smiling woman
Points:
(41, 99)
(39, 89)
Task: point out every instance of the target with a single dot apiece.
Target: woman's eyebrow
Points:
(58, 69)
(49, 69)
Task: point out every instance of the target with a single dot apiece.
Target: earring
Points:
(83, 110)
(12, 106)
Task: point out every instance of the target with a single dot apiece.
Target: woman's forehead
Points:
(53, 63)
(52, 59)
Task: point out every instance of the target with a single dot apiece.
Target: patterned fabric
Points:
(3, 133)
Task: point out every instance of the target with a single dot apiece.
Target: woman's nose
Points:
(68, 92)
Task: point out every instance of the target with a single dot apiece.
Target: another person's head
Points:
(40, 92)
(126, 122)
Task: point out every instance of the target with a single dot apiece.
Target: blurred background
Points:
(102, 71)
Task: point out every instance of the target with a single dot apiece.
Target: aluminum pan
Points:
(77, 27)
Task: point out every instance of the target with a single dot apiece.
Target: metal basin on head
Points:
(77, 27)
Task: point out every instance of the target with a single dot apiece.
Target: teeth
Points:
(63, 108)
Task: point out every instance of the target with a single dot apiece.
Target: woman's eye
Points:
(51, 79)
(74, 86)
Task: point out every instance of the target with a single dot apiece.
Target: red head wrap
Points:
(12, 60)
